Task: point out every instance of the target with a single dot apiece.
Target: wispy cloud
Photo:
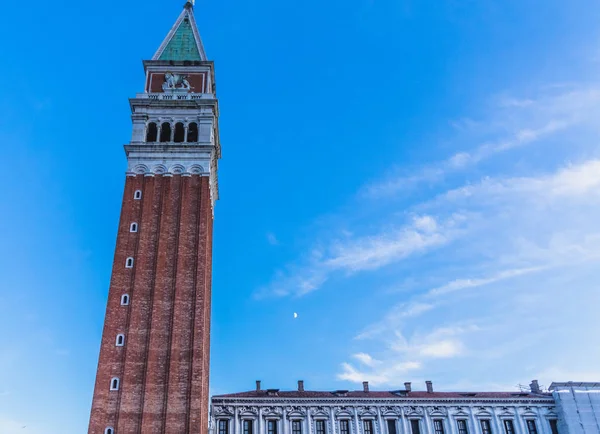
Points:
(376, 377)
(493, 251)
(522, 122)
(272, 239)
(405, 356)
(461, 284)
(543, 226)
(370, 252)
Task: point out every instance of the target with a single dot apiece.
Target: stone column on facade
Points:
(474, 427)
(380, 420)
(405, 428)
(427, 420)
(356, 421)
(173, 126)
(260, 421)
(304, 422)
(236, 420)
(496, 419)
(519, 421)
(543, 426)
(332, 419)
(285, 421)
(185, 132)
(308, 421)
(452, 423)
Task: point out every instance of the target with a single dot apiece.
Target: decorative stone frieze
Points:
(401, 409)
(223, 410)
(367, 411)
(437, 411)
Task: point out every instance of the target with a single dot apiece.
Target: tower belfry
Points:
(153, 368)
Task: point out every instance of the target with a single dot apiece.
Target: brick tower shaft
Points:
(153, 368)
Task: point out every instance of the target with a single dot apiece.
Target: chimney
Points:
(407, 386)
(258, 385)
(365, 386)
(535, 386)
(429, 385)
(300, 386)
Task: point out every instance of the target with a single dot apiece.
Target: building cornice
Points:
(379, 401)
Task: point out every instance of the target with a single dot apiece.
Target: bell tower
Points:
(153, 368)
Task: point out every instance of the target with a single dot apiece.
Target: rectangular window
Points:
(271, 427)
(438, 426)
(296, 427)
(414, 426)
(320, 425)
(368, 425)
(247, 426)
(554, 426)
(531, 428)
(509, 428)
(223, 426)
(344, 426)
(462, 426)
(486, 428)
(391, 426)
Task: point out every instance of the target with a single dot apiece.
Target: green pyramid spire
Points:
(182, 45)
(183, 41)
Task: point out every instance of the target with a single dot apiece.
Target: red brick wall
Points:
(164, 364)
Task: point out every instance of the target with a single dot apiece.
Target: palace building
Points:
(567, 408)
(153, 368)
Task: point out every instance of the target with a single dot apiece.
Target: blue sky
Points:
(419, 181)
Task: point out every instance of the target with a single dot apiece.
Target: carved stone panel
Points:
(223, 410)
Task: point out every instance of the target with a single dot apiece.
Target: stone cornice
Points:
(168, 159)
(380, 401)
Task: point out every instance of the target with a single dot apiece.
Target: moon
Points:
(295, 315)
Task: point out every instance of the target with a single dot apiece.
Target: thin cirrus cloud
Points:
(535, 121)
(381, 376)
(426, 232)
(493, 257)
(560, 250)
(403, 356)
(272, 239)
(369, 252)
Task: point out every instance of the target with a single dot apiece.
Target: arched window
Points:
(133, 227)
(165, 132)
(114, 383)
(192, 132)
(129, 262)
(125, 300)
(120, 340)
(179, 133)
(151, 132)
(109, 430)
(137, 195)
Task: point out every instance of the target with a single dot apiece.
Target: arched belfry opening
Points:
(151, 132)
(192, 132)
(179, 133)
(165, 132)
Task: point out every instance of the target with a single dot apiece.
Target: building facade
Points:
(404, 411)
(578, 407)
(153, 368)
